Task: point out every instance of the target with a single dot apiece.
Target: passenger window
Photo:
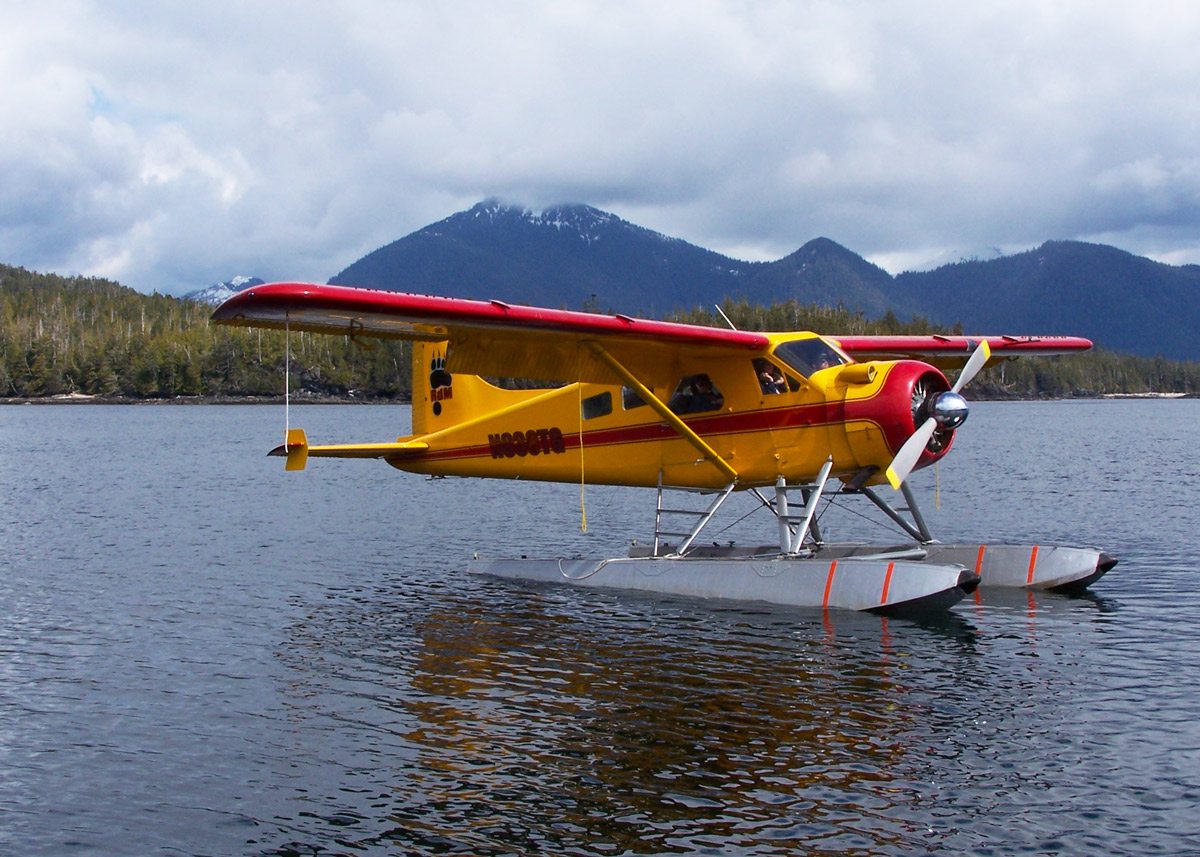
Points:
(696, 394)
(770, 378)
(599, 405)
(630, 399)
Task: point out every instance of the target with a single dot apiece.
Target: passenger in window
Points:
(769, 377)
(695, 395)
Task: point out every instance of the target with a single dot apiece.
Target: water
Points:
(203, 655)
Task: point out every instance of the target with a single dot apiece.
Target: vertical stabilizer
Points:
(441, 400)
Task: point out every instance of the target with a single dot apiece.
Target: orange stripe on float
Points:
(887, 583)
(829, 583)
(1032, 562)
(979, 571)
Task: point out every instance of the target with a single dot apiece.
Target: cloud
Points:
(171, 146)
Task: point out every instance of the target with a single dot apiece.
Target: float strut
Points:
(788, 543)
(917, 528)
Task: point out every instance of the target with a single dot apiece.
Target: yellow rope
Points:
(582, 481)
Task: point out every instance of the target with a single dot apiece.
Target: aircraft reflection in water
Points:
(697, 413)
(628, 741)
(535, 719)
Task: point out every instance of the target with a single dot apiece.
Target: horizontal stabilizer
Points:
(297, 449)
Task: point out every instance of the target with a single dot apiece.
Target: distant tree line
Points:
(62, 335)
(92, 336)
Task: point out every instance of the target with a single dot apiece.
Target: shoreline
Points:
(83, 399)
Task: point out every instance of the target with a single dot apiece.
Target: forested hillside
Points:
(1125, 302)
(95, 337)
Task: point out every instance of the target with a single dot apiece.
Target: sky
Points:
(172, 145)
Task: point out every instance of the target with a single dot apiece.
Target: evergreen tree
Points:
(93, 336)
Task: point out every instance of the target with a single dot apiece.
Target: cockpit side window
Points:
(807, 356)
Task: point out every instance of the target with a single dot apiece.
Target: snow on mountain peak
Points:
(218, 293)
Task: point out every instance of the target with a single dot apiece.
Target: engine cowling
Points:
(912, 393)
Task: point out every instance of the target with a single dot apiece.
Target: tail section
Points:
(298, 451)
(441, 400)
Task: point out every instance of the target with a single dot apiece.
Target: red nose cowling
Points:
(903, 404)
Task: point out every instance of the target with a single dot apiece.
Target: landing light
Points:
(858, 373)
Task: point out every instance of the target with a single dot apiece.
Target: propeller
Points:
(947, 410)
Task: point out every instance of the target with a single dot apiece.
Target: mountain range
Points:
(576, 256)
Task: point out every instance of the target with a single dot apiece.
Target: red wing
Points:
(495, 338)
(948, 352)
(487, 338)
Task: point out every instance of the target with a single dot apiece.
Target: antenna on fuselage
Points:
(722, 314)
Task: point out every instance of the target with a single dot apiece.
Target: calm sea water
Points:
(203, 655)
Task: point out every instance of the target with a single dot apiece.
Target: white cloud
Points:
(169, 146)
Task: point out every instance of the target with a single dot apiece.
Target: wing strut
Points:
(663, 411)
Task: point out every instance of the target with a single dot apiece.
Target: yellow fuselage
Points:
(604, 434)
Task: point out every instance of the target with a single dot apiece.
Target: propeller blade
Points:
(906, 458)
(978, 358)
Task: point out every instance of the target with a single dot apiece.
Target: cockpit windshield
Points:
(807, 356)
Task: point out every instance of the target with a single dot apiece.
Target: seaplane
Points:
(696, 413)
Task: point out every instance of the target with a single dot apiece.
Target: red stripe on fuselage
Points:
(803, 416)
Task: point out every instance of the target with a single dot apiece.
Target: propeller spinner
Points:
(948, 410)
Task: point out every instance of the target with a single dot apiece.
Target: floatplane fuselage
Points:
(684, 408)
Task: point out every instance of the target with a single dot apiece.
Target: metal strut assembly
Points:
(701, 517)
(791, 536)
(917, 527)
